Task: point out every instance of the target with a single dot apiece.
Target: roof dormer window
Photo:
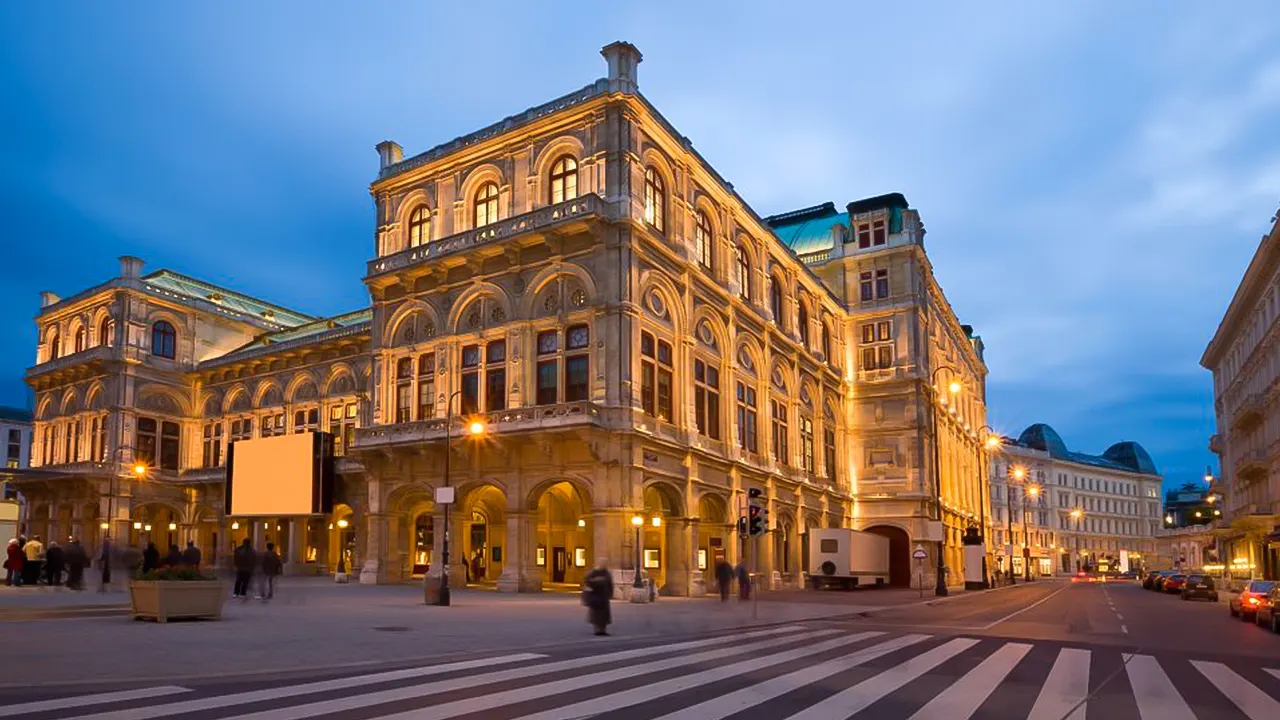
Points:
(871, 234)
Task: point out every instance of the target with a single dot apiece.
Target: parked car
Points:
(1199, 586)
(1149, 582)
(1254, 595)
(1174, 583)
(1268, 614)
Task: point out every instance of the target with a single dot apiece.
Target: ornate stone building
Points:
(1244, 357)
(638, 345)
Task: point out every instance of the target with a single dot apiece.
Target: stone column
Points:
(697, 578)
(296, 559)
(520, 572)
(431, 582)
(614, 543)
(677, 558)
(375, 549)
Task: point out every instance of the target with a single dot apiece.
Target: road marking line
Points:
(83, 700)
(1274, 673)
(1066, 688)
(726, 705)
(415, 692)
(748, 697)
(1119, 616)
(855, 699)
(1155, 693)
(967, 694)
(1246, 696)
(1019, 612)
(1124, 629)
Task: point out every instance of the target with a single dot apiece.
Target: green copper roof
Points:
(318, 326)
(345, 325)
(809, 230)
(167, 280)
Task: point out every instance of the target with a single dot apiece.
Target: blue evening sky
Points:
(1094, 175)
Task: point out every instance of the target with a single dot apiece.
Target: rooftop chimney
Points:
(47, 298)
(623, 57)
(130, 266)
(389, 153)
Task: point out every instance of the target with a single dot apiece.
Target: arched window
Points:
(55, 345)
(654, 198)
(826, 345)
(802, 325)
(79, 339)
(564, 180)
(164, 340)
(742, 272)
(420, 227)
(486, 204)
(702, 242)
(106, 332)
(775, 300)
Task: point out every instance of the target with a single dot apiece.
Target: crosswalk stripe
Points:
(726, 705)
(86, 700)
(1154, 692)
(476, 703)
(1252, 701)
(222, 701)
(855, 699)
(635, 696)
(967, 694)
(1066, 687)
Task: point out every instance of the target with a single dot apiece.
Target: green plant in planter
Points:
(174, 575)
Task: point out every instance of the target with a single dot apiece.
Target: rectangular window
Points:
(548, 381)
(145, 441)
(878, 346)
(170, 445)
(829, 450)
(779, 427)
(865, 286)
(469, 402)
(655, 377)
(806, 443)
(882, 284)
(495, 391)
(706, 398)
(877, 232)
(210, 447)
(747, 417)
(864, 236)
(576, 377)
(427, 386)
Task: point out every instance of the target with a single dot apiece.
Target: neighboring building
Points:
(1080, 511)
(1244, 357)
(15, 438)
(1191, 505)
(638, 342)
(1193, 547)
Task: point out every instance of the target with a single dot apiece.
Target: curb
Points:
(938, 601)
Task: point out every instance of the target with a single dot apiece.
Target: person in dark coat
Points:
(272, 566)
(597, 594)
(174, 558)
(104, 564)
(744, 582)
(13, 563)
(191, 556)
(54, 563)
(245, 560)
(77, 559)
(150, 558)
(724, 578)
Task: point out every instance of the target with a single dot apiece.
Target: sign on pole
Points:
(919, 553)
(444, 495)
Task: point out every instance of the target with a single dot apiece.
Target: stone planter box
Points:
(163, 601)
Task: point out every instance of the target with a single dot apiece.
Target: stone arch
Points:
(42, 407)
(479, 290)
(163, 399)
(544, 277)
(703, 316)
(580, 484)
(76, 323)
(713, 507)
(210, 404)
(652, 157)
(95, 396)
(475, 178)
(409, 312)
(267, 393)
(69, 404)
(297, 391)
(97, 316)
(341, 380)
(782, 371)
(237, 399)
(703, 202)
(747, 354)
(414, 199)
(651, 281)
(662, 495)
(562, 146)
(482, 525)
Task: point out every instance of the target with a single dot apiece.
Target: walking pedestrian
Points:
(150, 558)
(174, 558)
(33, 552)
(104, 563)
(54, 562)
(597, 594)
(744, 581)
(724, 578)
(77, 559)
(245, 560)
(271, 568)
(191, 556)
(13, 562)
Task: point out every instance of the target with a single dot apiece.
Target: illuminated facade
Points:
(639, 346)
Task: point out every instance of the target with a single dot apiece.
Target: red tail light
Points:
(1253, 601)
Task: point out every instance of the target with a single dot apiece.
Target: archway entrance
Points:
(715, 533)
(155, 523)
(478, 539)
(899, 553)
(563, 531)
(422, 540)
(661, 552)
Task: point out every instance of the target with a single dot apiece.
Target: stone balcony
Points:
(1250, 411)
(540, 220)
(1252, 465)
(501, 422)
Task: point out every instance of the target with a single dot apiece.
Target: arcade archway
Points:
(563, 531)
(899, 553)
(478, 536)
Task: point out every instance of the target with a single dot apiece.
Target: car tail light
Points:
(1253, 601)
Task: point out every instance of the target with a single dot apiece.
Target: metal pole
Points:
(443, 597)
(635, 582)
(1008, 506)
(940, 585)
(755, 566)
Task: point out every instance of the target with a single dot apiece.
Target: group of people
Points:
(189, 558)
(725, 574)
(248, 561)
(28, 562)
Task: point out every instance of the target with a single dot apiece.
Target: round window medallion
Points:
(705, 334)
(429, 331)
(497, 314)
(656, 305)
(550, 304)
(744, 359)
(579, 297)
(473, 319)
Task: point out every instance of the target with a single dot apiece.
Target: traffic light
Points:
(754, 493)
(755, 520)
(742, 527)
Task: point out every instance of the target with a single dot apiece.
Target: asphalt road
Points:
(1044, 651)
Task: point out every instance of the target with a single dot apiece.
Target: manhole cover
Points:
(391, 628)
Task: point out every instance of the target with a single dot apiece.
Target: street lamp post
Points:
(988, 441)
(475, 428)
(1076, 514)
(1033, 491)
(1018, 473)
(637, 587)
(940, 585)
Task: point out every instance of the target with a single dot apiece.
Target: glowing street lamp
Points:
(1077, 513)
(140, 470)
(476, 427)
(636, 587)
(955, 387)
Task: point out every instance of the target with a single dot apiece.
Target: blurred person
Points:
(54, 563)
(597, 593)
(191, 556)
(724, 578)
(104, 563)
(34, 554)
(744, 581)
(245, 560)
(77, 559)
(150, 558)
(174, 558)
(271, 569)
(13, 562)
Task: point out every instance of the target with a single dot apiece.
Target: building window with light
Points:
(564, 180)
(706, 398)
(829, 448)
(211, 445)
(241, 429)
(306, 420)
(746, 400)
(702, 240)
(806, 443)
(106, 332)
(802, 324)
(420, 227)
(775, 301)
(55, 345)
(742, 272)
(485, 206)
(779, 430)
(877, 349)
(655, 199)
(98, 439)
(79, 339)
(656, 377)
(145, 440)
(164, 340)
(342, 426)
(271, 424)
(14, 457)
(404, 390)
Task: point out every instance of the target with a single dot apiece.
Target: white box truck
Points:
(841, 557)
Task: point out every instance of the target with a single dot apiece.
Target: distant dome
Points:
(1043, 437)
(1131, 455)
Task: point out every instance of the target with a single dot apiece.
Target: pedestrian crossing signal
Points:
(755, 520)
(742, 527)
